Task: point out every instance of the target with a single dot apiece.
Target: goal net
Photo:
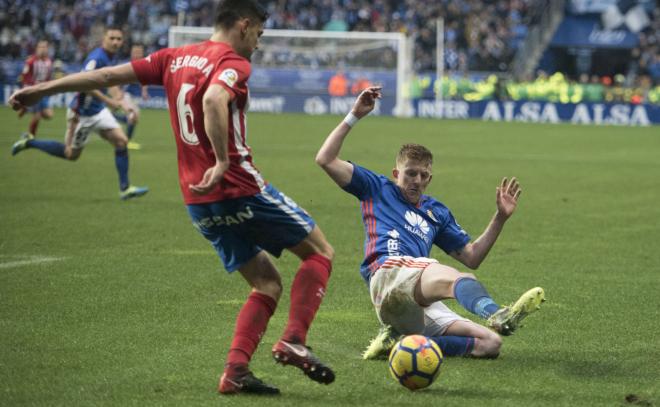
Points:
(300, 63)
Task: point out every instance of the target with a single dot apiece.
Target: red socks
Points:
(34, 123)
(250, 326)
(307, 292)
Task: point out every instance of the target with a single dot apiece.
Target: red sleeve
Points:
(149, 70)
(232, 74)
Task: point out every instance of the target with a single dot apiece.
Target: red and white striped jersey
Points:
(186, 73)
(36, 70)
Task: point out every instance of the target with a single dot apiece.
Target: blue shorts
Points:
(40, 105)
(240, 228)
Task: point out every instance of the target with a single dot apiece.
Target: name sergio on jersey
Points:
(193, 61)
(235, 219)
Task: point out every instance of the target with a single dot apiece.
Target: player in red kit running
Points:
(229, 202)
(38, 68)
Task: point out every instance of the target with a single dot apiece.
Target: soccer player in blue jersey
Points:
(88, 112)
(401, 225)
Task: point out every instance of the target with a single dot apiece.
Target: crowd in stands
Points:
(552, 88)
(480, 35)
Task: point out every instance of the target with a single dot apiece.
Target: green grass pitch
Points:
(111, 303)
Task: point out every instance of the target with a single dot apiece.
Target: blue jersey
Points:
(395, 227)
(134, 89)
(85, 104)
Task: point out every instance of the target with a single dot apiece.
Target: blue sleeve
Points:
(364, 183)
(95, 60)
(452, 237)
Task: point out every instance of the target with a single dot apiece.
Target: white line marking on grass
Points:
(31, 260)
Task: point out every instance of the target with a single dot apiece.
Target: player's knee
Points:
(72, 154)
(466, 275)
(120, 143)
(272, 288)
(489, 346)
(327, 251)
(47, 115)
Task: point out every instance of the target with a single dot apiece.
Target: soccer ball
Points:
(415, 362)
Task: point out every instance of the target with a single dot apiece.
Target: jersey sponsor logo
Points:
(192, 61)
(417, 225)
(228, 220)
(228, 76)
(393, 243)
(91, 65)
(417, 221)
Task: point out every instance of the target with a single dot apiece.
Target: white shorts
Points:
(103, 120)
(392, 292)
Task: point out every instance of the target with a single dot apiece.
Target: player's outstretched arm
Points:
(79, 82)
(216, 121)
(474, 253)
(328, 156)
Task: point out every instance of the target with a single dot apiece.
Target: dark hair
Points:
(112, 28)
(230, 11)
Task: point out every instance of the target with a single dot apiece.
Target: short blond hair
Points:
(416, 152)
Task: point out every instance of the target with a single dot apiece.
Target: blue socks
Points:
(121, 162)
(54, 148)
(121, 118)
(129, 130)
(454, 345)
(474, 297)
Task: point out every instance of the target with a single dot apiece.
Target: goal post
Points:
(382, 58)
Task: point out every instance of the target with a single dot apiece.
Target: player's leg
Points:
(392, 289)
(34, 123)
(458, 336)
(276, 223)
(251, 323)
(467, 338)
(110, 130)
(41, 111)
(132, 118)
(76, 135)
(307, 292)
(238, 253)
(309, 284)
(440, 282)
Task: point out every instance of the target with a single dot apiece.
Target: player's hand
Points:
(23, 98)
(366, 102)
(211, 178)
(507, 197)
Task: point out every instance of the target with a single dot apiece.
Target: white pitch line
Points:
(30, 261)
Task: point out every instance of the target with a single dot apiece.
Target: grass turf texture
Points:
(136, 310)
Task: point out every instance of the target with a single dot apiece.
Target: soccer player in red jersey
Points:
(228, 200)
(38, 68)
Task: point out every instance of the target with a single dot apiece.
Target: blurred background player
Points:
(243, 216)
(38, 68)
(88, 112)
(401, 226)
(132, 92)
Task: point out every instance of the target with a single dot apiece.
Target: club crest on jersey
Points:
(91, 65)
(417, 225)
(228, 76)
